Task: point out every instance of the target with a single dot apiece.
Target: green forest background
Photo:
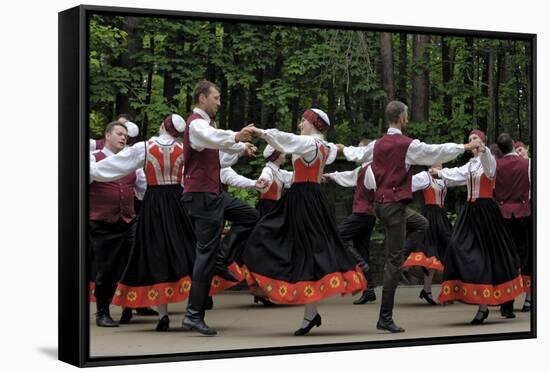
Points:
(269, 74)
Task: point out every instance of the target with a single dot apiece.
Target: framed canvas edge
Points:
(73, 333)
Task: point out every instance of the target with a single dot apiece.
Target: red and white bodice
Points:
(435, 193)
(478, 184)
(311, 170)
(164, 163)
(275, 190)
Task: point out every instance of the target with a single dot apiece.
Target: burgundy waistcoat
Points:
(201, 171)
(393, 181)
(512, 187)
(114, 200)
(363, 197)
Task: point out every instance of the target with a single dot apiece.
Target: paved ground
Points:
(242, 324)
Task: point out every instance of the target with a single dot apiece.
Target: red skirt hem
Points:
(167, 292)
(492, 295)
(419, 259)
(304, 292)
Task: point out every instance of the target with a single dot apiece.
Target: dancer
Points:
(295, 254)
(203, 197)
(357, 227)
(273, 180)
(521, 149)
(112, 224)
(512, 194)
(430, 251)
(481, 265)
(158, 271)
(391, 178)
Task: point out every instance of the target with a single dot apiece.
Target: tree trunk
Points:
(133, 27)
(492, 94)
(469, 81)
(386, 59)
(420, 79)
(528, 93)
(403, 59)
(446, 72)
(145, 125)
(485, 65)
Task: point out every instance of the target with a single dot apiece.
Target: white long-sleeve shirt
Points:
(418, 153)
(230, 177)
(203, 136)
(459, 175)
(298, 145)
(127, 160)
(141, 183)
(272, 171)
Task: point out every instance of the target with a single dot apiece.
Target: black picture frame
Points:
(73, 186)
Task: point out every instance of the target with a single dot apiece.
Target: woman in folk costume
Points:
(160, 265)
(481, 264)
(295, 254)
(272, 181)
(428, 254)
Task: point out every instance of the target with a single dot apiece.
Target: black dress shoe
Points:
(480, 317)
(146, 311)
(311, 323)
(209, 303)
(163, 325)
(266, 302)
(126, 316)
(389, 326)
(105, 320)
(198, 326)
(367, 296)
(526, 306)
(428, 297)
(225, 273)
(507, 313)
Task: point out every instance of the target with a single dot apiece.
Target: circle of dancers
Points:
(289, 249)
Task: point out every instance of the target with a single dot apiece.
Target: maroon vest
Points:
(99, 144)
(393, 181)
(512, 187)
(201, 171)
(363, 197)
(114, 200)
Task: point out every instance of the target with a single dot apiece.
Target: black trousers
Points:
(357, 229)
(400, 223)
(110, 248)
(519, 229)
(243, 218)
(208, 212)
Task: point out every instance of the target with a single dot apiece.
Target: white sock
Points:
(483, 307)
(163, 310)
(528, 297)
(310, 311)
(428, 281)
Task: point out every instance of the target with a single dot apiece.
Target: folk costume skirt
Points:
(481, 262)
(429, 252)
(295, 254)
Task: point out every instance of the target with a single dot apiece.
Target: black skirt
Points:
(265, 206)
(430, 252)
(481, 262)
(295, 254)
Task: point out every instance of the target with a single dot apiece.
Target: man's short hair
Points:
(109, 128)
(505, 143)
(128, 117)
(365, 142)
(203, 88)
(394, 109)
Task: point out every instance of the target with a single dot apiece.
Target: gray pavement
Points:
(242, 324)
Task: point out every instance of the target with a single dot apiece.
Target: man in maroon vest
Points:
(391, 180)
(203, 197)
(356, 229)
(512, 194)
(112, 228)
